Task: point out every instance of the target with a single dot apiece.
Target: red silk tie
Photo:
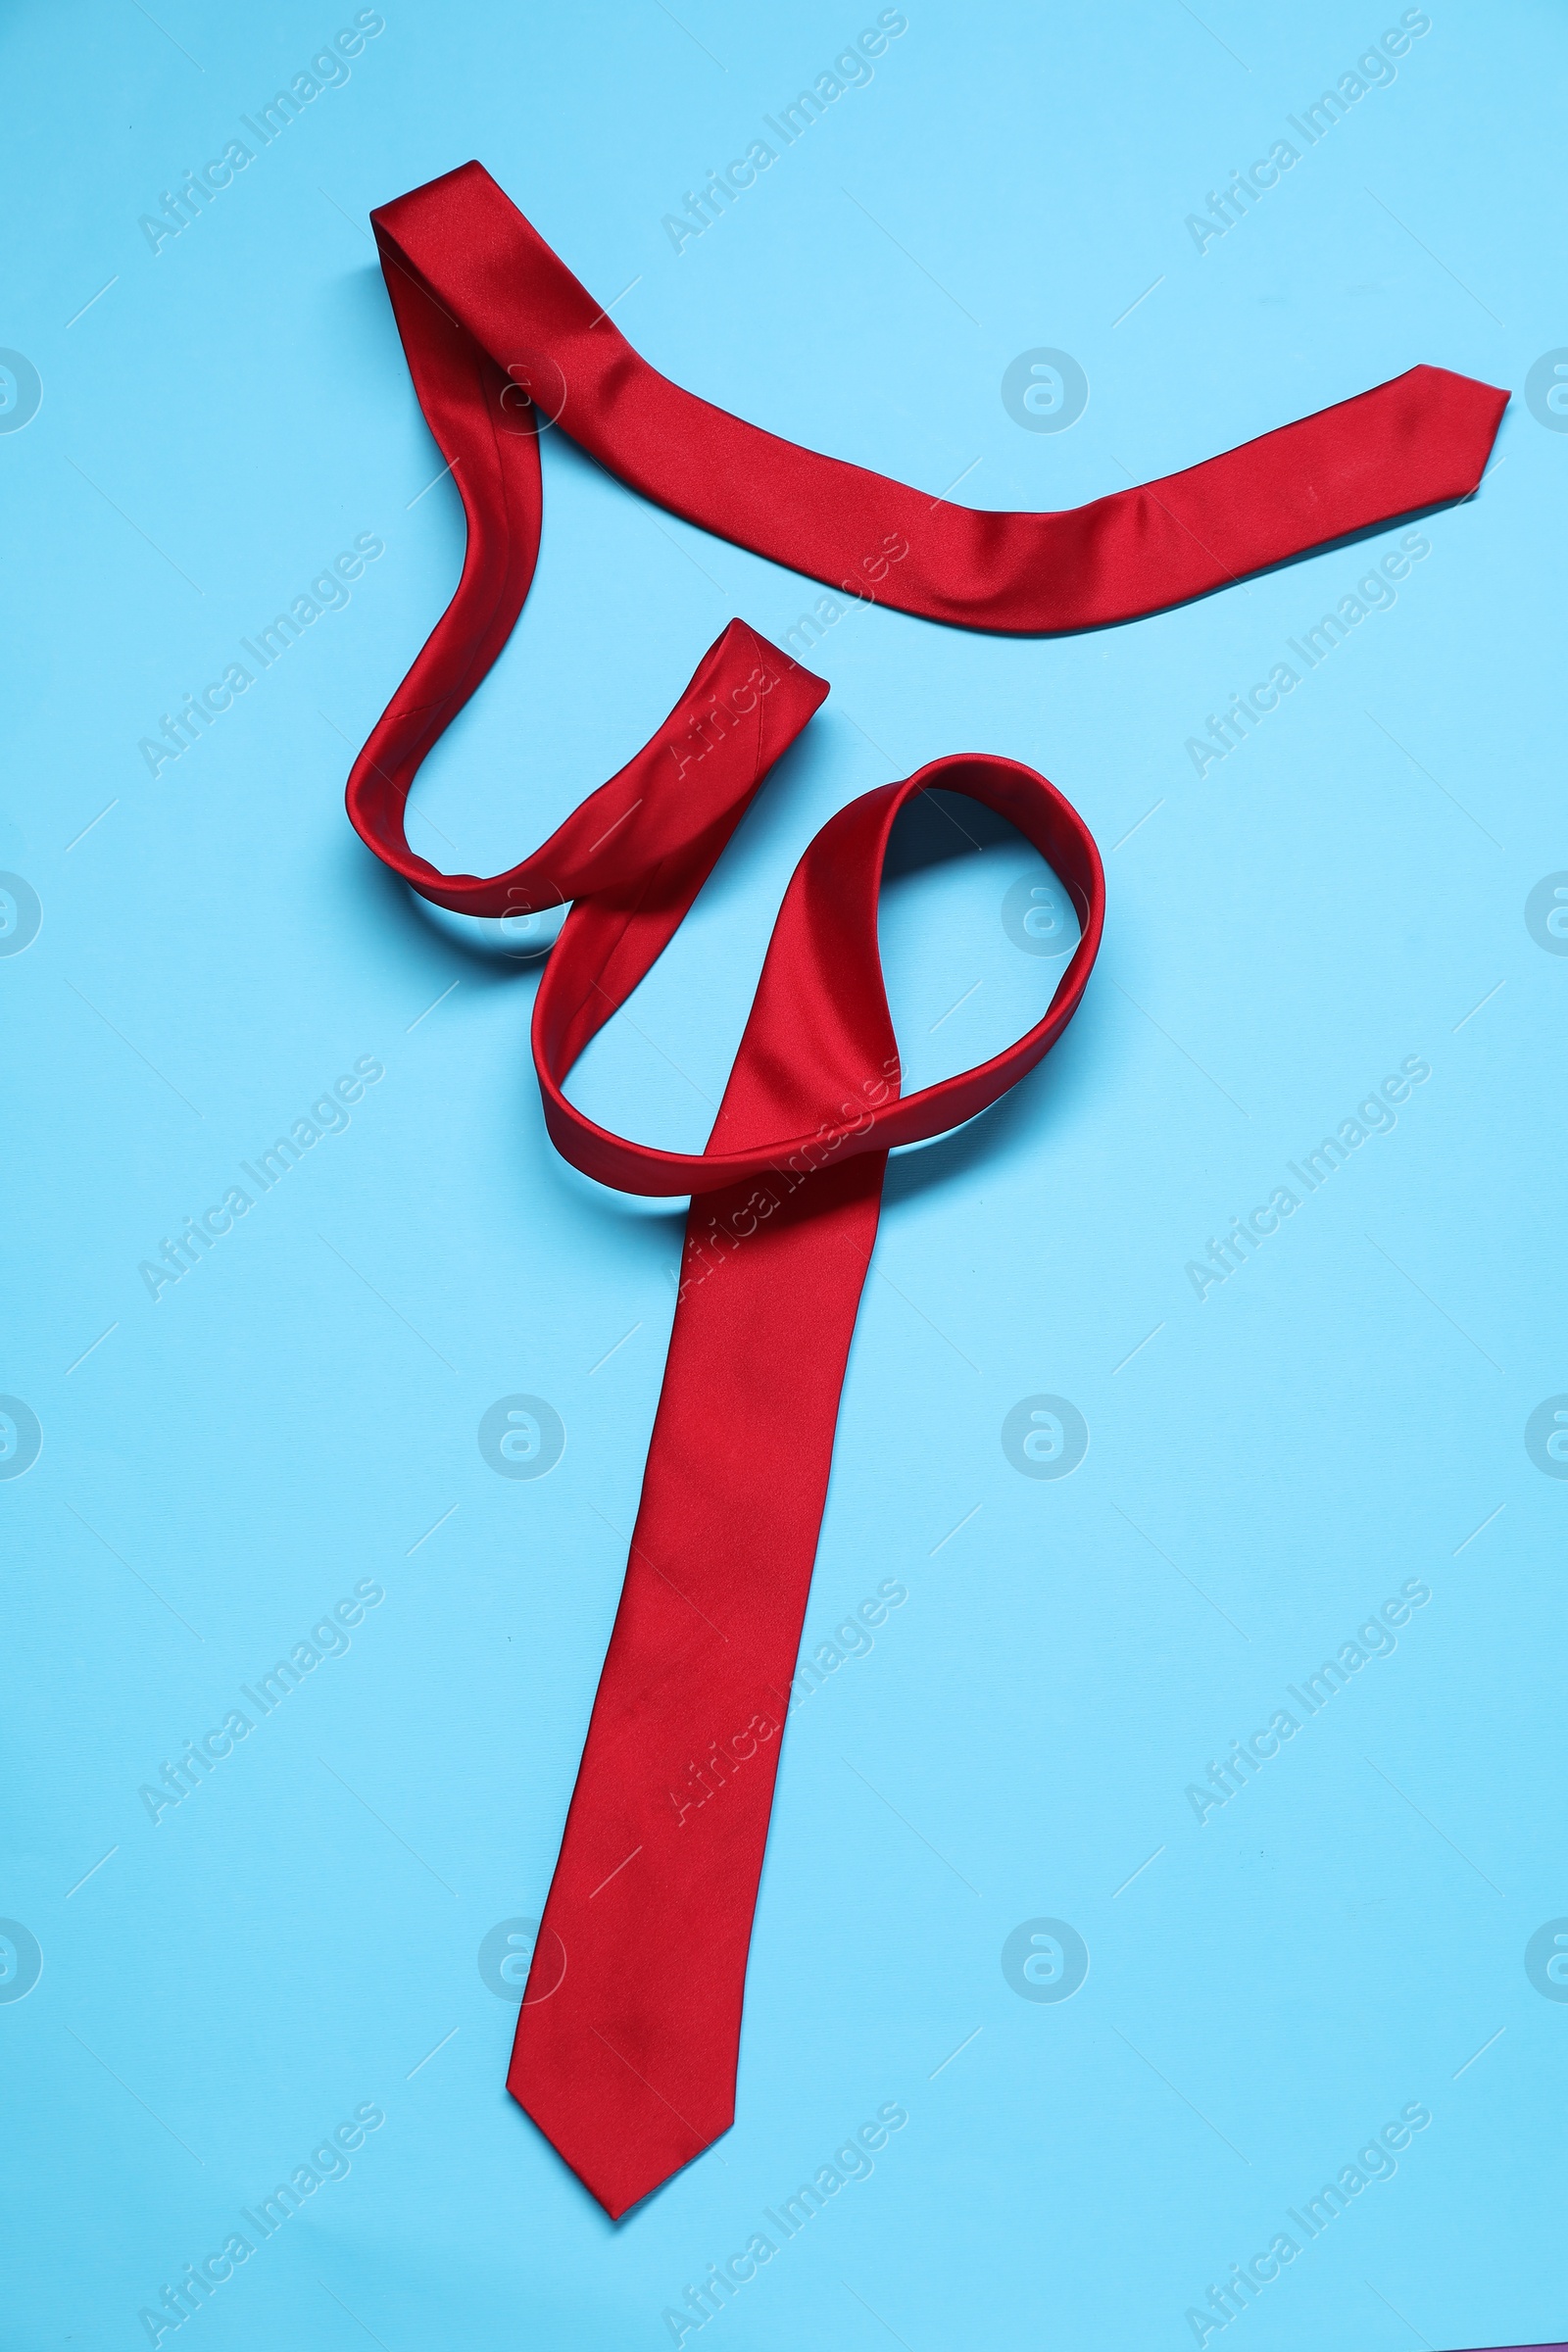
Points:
(629, 2029)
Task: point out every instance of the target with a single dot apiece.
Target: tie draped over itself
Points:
(629, 2029)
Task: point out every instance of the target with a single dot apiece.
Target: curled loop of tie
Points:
(632, 857)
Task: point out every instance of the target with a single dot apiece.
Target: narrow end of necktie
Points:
(1463, 416)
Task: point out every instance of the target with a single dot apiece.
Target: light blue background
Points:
(295, 1939)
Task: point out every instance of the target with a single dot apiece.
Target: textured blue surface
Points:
(296, 1942)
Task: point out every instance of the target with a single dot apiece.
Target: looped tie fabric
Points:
(629, 2029)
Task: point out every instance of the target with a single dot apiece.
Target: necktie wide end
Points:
(622, 2147)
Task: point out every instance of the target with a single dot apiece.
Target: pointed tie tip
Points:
(1476, 411)
(620, 2157)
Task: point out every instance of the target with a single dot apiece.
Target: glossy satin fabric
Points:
(628, 2033)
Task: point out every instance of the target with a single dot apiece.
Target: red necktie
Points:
(629, 2029)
